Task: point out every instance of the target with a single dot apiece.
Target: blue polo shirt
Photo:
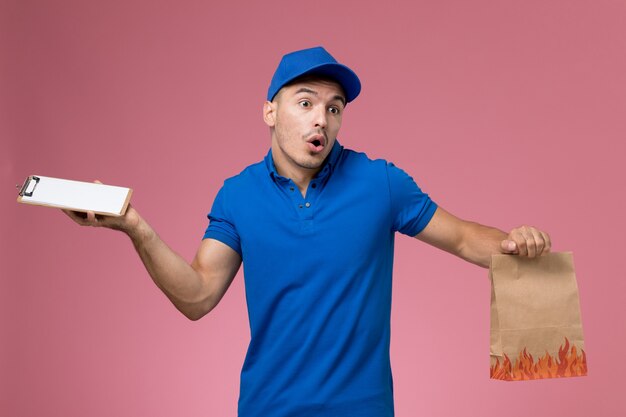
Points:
(317, 273)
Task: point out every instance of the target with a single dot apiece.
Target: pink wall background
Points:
(505, 112)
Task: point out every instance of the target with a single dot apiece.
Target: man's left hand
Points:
(526, 241)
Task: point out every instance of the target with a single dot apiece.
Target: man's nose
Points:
(321, 117)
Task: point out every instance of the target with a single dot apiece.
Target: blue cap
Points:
(314, 61)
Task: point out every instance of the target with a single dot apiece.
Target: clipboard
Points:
(108, 200)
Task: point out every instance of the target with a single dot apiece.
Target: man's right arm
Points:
(194, 289)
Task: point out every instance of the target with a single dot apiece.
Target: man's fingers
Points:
(91, 217)
(539, 242)
(84, 219)
(529, 241)
(78, 217)
(547, 242)
(520, 241)
(531, 247)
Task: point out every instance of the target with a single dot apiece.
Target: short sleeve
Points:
(221, 226)
(411, 209)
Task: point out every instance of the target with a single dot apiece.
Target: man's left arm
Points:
(476, 243)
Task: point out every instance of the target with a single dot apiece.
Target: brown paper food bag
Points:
(536, 330)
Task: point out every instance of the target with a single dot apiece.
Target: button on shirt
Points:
(317, 273)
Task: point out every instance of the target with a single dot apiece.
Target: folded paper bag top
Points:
(536, 331)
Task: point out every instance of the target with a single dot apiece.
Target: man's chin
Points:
(311, 165)
(314, 161)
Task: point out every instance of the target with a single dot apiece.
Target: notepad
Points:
(109, 200)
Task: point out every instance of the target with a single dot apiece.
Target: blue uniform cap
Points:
(314, 61)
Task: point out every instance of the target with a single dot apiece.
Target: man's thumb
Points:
(508, 246)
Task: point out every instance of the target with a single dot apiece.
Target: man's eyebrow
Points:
(308, 90)
(340, 98)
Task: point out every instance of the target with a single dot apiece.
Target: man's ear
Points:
(269, 113)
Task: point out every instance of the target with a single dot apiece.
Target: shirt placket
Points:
(304, 206)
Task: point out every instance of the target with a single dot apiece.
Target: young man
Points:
(314, 225)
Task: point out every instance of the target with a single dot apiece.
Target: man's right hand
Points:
(127, 223)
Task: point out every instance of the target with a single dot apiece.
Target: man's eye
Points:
(305, 103)
(334, 110)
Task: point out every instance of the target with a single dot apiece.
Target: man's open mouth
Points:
(317, 143)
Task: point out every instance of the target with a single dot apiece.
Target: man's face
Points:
(305, 118)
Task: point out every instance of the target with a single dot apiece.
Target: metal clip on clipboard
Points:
(29, 186)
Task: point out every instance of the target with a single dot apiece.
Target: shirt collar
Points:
(329, 164)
